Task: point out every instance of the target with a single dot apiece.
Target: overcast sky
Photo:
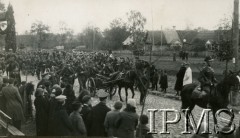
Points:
(80, 13)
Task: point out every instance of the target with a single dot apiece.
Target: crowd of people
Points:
(58, 111)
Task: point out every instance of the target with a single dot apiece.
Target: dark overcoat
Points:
(164, 81)
(62, 125)
(14, 104)
(96, 119)
(126, 123)
(41, 106)
(85, 111)
(179, 80)
(79, 128)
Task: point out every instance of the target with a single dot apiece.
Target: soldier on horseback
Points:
(207, 78)
(68, 75)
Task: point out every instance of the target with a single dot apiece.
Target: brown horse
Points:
(218, 97)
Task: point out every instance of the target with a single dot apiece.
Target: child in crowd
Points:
(164, 81)
(142, 129)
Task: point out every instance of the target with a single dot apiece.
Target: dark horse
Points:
(218, 98)
(128, 82)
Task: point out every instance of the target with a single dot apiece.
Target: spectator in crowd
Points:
(82, 94)
(179, 81)
(142, 129)
(22, 93)
(87, 107)
(187, 79)
(41, 106)
(111, 116)
(79, 128)
(186, 55)
(164, 81)
(69, 93)
(127, 120)
(62, 125)
(56, 91)
(14, 104)
(45, 78)
(97, 116)
(2, 99)
(1, 77)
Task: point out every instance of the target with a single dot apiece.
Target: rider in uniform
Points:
(68, 75)
(207, 78)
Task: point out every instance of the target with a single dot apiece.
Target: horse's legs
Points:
(119, 93)
(133, 93)
(110, 92)
(214, 118)
(126, 93)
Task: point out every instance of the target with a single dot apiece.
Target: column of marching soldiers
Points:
(58, 111)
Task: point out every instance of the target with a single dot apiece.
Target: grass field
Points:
(164, 62)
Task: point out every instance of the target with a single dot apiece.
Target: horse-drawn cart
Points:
(103, 82)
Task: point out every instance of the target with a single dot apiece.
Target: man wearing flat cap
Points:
(97, 116)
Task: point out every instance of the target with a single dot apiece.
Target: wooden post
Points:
(235, 96)
(236, 32)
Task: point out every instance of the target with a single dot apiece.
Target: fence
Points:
(8, 129)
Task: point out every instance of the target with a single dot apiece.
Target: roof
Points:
(171, 36)
(157, 37)
(128, 41)
(207, 35)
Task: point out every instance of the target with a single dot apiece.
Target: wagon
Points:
(102, 82)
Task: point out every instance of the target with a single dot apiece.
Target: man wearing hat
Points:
(62, 125)
(97, 116)
(207, 78)
(87, 107)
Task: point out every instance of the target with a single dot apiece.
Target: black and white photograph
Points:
(120, 68)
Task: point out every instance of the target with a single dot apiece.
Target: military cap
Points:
(61, 98)
(208, 58)
(102, 94)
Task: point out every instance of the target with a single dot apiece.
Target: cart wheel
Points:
(113, 92)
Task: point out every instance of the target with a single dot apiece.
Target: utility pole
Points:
(93, 38)
(161, 41)
(150, 60)
(236, 32)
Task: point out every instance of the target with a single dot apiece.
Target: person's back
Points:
(14, 104)
(142, 129)
(110, 119)
(127, 120)
(79, 128)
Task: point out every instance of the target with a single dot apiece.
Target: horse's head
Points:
(232, 79)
